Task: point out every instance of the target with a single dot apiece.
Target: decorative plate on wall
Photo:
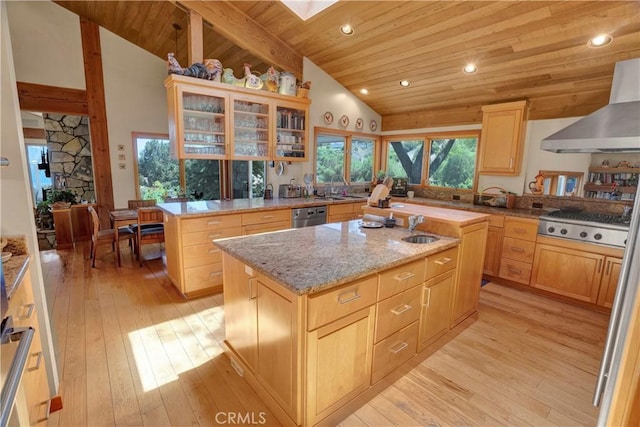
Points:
(344, 120)
(373, 125)
(359, 123)
(328, 117)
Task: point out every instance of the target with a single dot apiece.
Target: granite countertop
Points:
(458, 217)
(333, 254)
(220, 207)
(454, 204)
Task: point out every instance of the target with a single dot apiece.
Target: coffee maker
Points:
(399, 188)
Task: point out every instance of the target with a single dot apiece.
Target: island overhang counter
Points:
(315, 316)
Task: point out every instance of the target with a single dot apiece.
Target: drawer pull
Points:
(213, 250)
(38, 361)
(443, 261)
(401, 309)
(520, 230)
(267, 216)
(399, 348)
(46, 404)
(515, 271)
(215, 273)
(607, 270)
(404, 276)
(517, 249)
(214, 235)
(30, 308)
(599, 265)
(252, 288)
(214, 222)
(427, 303)
(355, 296)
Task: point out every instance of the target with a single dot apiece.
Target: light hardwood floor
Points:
(132, 351)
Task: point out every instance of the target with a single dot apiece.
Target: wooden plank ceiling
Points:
(535, 50)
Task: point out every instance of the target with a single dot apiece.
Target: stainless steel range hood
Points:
(613, 128)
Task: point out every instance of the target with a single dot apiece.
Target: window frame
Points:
(348, 137)
(427, 138)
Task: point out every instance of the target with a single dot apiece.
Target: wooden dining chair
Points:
(150, 228)
(142, 203)
(105, 236)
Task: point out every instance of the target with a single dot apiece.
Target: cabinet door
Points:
(609, 282)
(277, 340)
(198, 125)
(339, 358)
(250, 120)
(501, 139)
(240, 310)
(493, 251)
(567, 272)
(436, 309)
(291, 131)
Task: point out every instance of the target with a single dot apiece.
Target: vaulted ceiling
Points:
(535, 50)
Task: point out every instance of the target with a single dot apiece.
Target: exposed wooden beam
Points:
(248, 34)
(33, 133)
(92, 54)
(194, 38)
(49, 99)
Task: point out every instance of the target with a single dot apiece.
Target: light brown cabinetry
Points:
(22, 308)
(518, 248)
(265, 221)
(436, 308)
(502, 138)
(573, 270)
(493, 251)
(211, 120)
(345, 212)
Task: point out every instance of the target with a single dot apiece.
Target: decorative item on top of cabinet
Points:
(502, 138)
(612, 183)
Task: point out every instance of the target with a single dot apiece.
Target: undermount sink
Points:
(420, 238)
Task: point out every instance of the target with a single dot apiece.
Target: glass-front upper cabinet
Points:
(291, 134)
(250, 119)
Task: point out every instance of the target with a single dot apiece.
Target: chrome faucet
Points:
(414, 220)
(331, 189)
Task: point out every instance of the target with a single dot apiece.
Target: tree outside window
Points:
(330, 157)
(404, 160)
(362, 156)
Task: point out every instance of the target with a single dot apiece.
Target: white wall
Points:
(16, 206)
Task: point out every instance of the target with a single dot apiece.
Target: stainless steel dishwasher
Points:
(306, 217)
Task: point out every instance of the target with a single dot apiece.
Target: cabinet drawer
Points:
(191, 225)
(400, 278)
(264, 217)
(205, 253)
(521, 228)
(518, 250)
(341, 209)
(397, 312)
(334, 304)
(515, 270)
(393, 351)
(340, 218)
(496, 221)
(202, 277)
(264, 228)
(441, 262)
(207, 236)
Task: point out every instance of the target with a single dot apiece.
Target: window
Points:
(344, 156)
(556, 183)
(443, 160)
(39, 179)
(159, 175)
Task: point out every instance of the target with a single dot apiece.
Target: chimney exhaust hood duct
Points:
(613, 128)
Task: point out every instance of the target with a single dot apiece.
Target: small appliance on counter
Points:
(399, 188)
(289, 191)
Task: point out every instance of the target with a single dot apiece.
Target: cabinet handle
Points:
(355, 296)
(215, 273)
(599, 265)
(443, 261)
(267, 216)
(520, 230)
(401, 309)
(213, 250)
(251, 288)
(214, 222)
(47, 405)
(514, 271)
(212, 235)
(511, 163)
(517, 249)
(38, 361)
(404, 276)
(427, 304)
(30, 308)
(399, 348)
(607, 268)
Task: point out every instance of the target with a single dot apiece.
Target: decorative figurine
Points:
(229, 78)
(251, 81)
(210, 69)
(271, 80)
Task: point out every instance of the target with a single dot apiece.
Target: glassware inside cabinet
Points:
(291, 134)
(250, 128)
(203, 127)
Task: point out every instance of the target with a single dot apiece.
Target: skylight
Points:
(306, 9)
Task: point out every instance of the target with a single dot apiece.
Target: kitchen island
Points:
(315, 316)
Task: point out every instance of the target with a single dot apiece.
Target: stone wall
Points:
(69, 146)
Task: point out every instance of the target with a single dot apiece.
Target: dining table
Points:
(122, 218)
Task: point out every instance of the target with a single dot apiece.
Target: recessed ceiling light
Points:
(364, 91)
(405, 83)
(346, 29)
(470, 68)
(600, 40)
